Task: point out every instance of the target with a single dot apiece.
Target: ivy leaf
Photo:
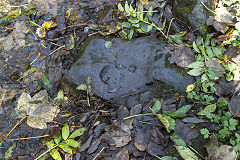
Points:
(65, 147)
(55, 154)
(65, 131)
(72, 143)
(77, 132)
(156, 107)
(167, 121)
(208, 109)
(186, 153)
(195, 72)
(196, 65)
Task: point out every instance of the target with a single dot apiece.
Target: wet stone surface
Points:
(125, 68)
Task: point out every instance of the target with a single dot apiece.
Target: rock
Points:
(233, 52)
(183, 56)
(234, 106)
(224, 88)
(216, 67)
(192, 12)
(114, 71)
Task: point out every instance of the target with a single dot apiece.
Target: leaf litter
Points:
(38, 109)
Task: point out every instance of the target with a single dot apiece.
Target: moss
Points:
(83, 47)
(182, 8)
(164, 91)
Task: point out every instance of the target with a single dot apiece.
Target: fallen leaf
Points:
(190, 88)
(234, 106)
(37, 108)
(167, 121)
(224, 152)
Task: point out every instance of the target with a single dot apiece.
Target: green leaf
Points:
(208, 109)
(184, 109)
(133, 20)
(127, 8)
(65, 131)
(120, 7)
(195, 47)
(55, 154)
(217, 52)
(127, 25)
(156, 107)
(108, 44)
(50, 143)
(150, 11)
(209, 52)
(202, 49)
(72, 143)
(45, 80)
(186, 153)
(65, 147)
(199, 41)
(167, 121)
(196, 64)
(175, 115)
(132, 11)
(77, 132)
(130, 34)
(140, 12)
(204, 132)
(177, 140)
(195, 72)
(57, 139)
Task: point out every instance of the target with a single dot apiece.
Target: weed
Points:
(65, 141)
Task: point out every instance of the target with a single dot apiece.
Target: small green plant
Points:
(205, 132)
(138, 19)
(227, 129)
(65, 141)
(231, 71)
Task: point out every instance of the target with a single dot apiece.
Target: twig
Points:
(46, 152)
(196, 152)
(169, 26)
(75, 25)
(208, 8)
(13, 129)
(18, 139)
(99, 153)
(52, 52)
(35, 59)
(136, 115)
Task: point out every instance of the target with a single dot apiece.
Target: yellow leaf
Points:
(144, 2)
(190, 88)
(48, 25)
